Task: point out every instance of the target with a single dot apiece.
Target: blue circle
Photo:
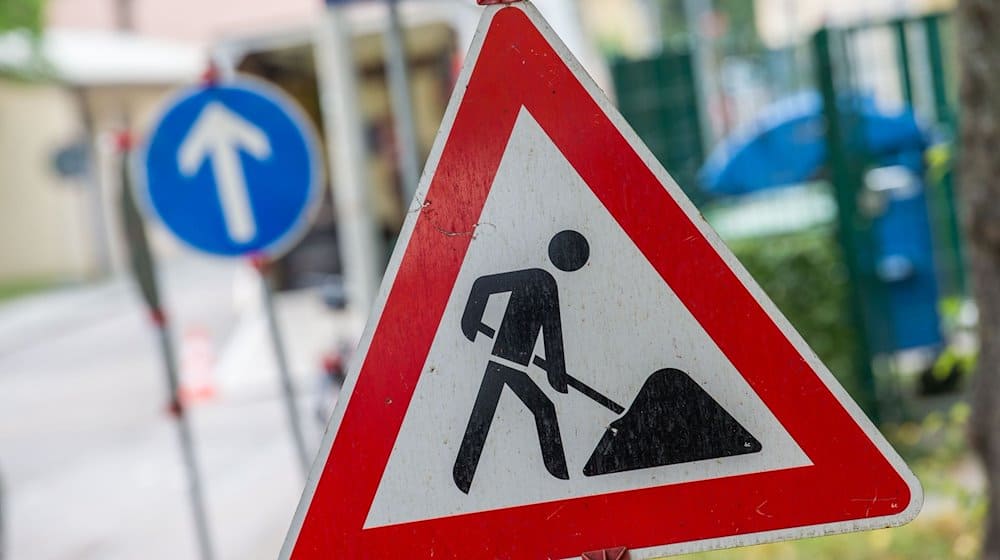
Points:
(281, 182)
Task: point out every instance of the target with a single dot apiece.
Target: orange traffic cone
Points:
(197, 383)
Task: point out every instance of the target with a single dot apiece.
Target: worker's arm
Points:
(482, 289)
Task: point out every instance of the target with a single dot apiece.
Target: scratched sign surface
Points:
(231, 169)
(564, 357)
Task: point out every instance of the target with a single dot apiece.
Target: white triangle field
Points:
(621, 322)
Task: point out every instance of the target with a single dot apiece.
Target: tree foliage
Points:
(737, 18)
(803, 274)
(21, 14)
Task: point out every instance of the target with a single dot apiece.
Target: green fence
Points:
(898, 62)
(816, 260)
(657, 97)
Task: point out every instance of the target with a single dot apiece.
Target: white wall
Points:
(44, 227)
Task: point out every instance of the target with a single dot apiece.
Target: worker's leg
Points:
(545, 421)
(479, 426)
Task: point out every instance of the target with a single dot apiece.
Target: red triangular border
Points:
(850, 479)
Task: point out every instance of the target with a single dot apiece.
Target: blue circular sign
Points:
(232, 169)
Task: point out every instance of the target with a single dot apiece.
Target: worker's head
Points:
(569, 250)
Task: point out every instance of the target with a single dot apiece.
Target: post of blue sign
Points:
(261, 264)
(233, 170)
(144, 270)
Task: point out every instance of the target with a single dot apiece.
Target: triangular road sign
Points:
(565, 358)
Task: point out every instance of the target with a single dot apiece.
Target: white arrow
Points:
(218, 135)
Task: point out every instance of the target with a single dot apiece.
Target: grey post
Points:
(287, 386)
(402, 105)
(144, 269)
(187, 444)
(360, 247)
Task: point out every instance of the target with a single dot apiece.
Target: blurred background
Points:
(816, 136)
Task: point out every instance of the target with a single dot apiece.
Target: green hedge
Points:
(803, 274)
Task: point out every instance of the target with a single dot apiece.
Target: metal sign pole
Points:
(402, 105)
(3, 546)
(361, 249)
(287, 386)
(184, 431)
(705, 83)
(143, 267)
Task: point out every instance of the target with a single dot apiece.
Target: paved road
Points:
(90, 459)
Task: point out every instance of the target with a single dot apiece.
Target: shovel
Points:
(585, 389)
